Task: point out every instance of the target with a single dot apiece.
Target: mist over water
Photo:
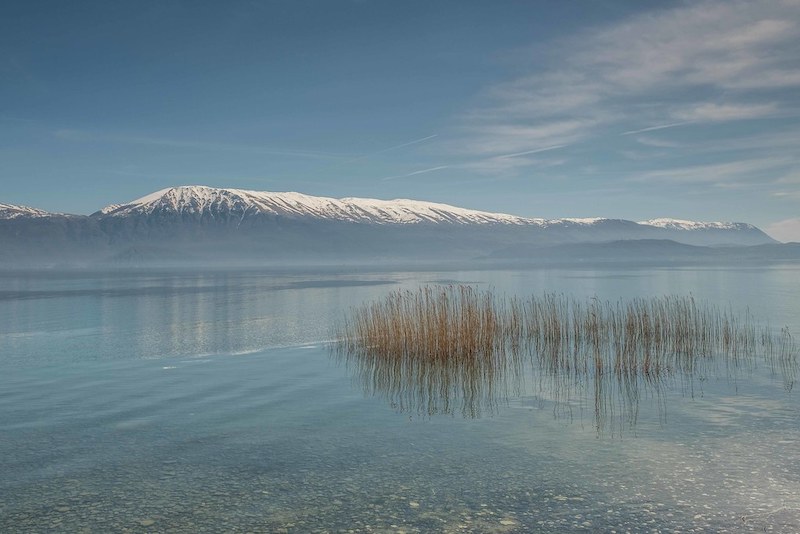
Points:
(158, 400)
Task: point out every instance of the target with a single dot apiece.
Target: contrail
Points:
(660, 127)
(414, 142)
(341, 163)
(534, 151)
(423, 171)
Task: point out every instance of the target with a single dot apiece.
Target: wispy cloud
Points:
(720, 174)
(786, 230)
(773, 141)
(499, 139)
(656, 142)
(510, 164)
(713, 112)
(787, 194)
(698, 64)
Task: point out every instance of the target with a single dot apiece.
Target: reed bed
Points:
(424, 349)
(436, 328)
(451, 349)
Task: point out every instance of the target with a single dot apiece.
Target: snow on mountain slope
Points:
(679, 224)
(198, 224)
(211, 201)
(214, 202)
(11, 211)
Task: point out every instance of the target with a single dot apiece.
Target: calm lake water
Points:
(191, 402)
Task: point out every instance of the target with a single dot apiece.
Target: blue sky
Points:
(631, 109)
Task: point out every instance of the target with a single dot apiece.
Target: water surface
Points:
(178, 401)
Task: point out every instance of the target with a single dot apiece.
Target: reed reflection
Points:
(456, 349)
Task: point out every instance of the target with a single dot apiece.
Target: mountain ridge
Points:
(197, 198)
(204, 224)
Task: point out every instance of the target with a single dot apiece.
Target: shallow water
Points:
(165, 401)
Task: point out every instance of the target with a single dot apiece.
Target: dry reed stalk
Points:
(460, 326)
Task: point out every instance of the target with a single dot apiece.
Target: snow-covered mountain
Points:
(213, 202)
(209, 224)
(679, 224)
(208, 201)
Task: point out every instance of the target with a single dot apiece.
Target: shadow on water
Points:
(458, 350)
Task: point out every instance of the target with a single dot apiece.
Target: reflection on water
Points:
(460, 350)
(119, 316)
(472, 386)
(474, 389)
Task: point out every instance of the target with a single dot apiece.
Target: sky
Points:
(619, 109)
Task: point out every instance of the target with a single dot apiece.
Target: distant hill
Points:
(647, 251)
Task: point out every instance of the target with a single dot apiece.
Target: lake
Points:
(166, 401)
